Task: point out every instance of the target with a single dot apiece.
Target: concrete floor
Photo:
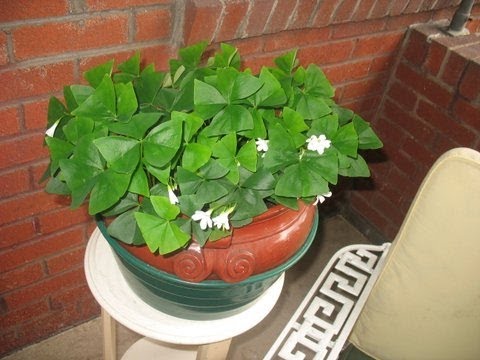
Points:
(84, 342)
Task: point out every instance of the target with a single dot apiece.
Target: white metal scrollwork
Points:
(323, 321)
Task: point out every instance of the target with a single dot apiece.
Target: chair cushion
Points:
(426, 302)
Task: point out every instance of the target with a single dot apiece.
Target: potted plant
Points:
(185, 159)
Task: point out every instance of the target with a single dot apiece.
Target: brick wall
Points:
(45, 44)
(431, 104)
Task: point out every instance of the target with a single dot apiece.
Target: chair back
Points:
(426, 302)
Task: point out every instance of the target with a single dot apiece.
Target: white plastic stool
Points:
(166, 336)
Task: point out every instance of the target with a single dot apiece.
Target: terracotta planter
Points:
(252, 262)
(271, 239)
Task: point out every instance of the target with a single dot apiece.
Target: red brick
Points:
(362, 11)
(445, 124)
(345, 11)
(18, 315)
(413, 6)
(355, 29)
(420, 130)
(35, 114)
(403, 22)
(443, 143)
(382, 63)
(416, 48)
(27, 9)
(65, 298)
(259, 14)
(427, 5)
(326, 53)
(466, 112)
(37, 250)
(338, 74)
(362, 206)
(233, 17)
(380, 9)
(303, 14)
(62, 218)
(35, 80)
(36, 173)
(402, 162)
(370, 86)
(21, 277)
(378, 44)
(201, 19)
(17, 233)
(286, 40)
(29, 204)
(153, 24)
(325, 12)
(58, 38)
(3, 48)
(22, 150)
(470, 83)
(387, 208)
(403, 95)
(453, 69)
(122, 4)
(435, 58)
(424, 86)
(255, 63)
(46, 287)
(365, 107)
(397, 7)
(158, 55)
(65, 261)
(10, 121)
(390, 132)
(281, 15)
(14, 182)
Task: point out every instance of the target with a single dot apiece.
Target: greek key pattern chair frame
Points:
(322, 323)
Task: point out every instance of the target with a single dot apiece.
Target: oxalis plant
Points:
(204, 147)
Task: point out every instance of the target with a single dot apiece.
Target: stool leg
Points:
(214, 351)
(109, 336)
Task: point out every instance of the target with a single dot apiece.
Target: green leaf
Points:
(325, 165)
(316, 83)
(262, 179)
(75, 95)
(346, 140)
(191, 55)
(80, 179)
(233, 118)
(148, 86)
(301, 180)
(312, 107)
(235, 85)
(287, 62)
(192, 123)
(127, 202)
(227, 57)
(326, 125)
(160, 234)
(126, 101)
(164, 208)
(132, 65)
(122, 154)
(207, 99)
(195, 156)
(358, 168)
(162, 174)
(101, 104)
(56, 111)
(109, 187)
(249, 204)
(96, 75)
(77, 128)
(282, 151)
(56, 186)
(137, 126)
(59, 149)
(271, 93)
(247, 156)
(162, 143)
(125, 229)
(293, 121)
(367, 139)
(139, 182)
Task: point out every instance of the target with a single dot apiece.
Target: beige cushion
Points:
(426, 303)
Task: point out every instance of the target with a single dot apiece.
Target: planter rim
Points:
(208, 283)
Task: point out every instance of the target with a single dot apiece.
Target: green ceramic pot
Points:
(208, 299)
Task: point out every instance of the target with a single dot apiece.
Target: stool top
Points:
(112, 292)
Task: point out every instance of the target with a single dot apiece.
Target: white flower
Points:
(318, 143)
(171, 196)
(221, 221)
(262, 145)
(204, 217)
(321, 198)
(51, 130)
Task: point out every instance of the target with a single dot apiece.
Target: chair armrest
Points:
(323, 321)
